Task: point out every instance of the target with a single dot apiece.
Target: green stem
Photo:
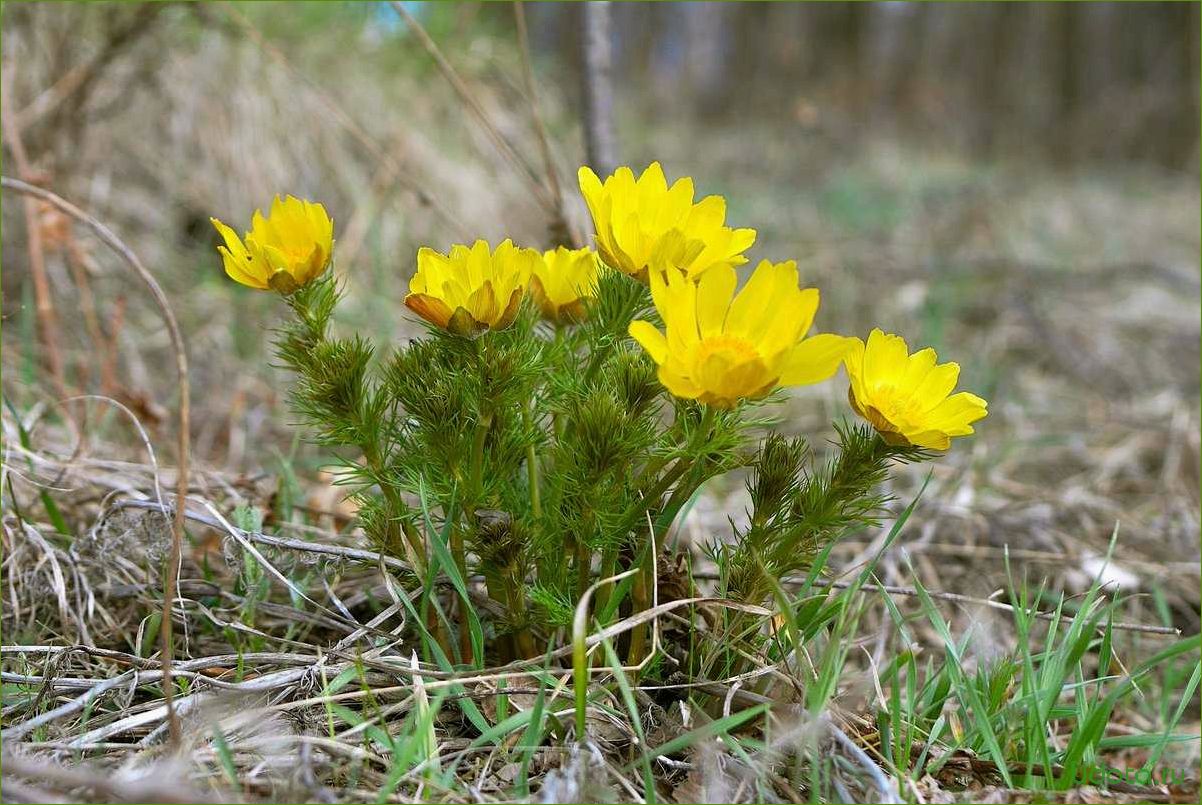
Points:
(631, 515)
(475, 489)
(396, 507)
(536, 507)
(458, 549)
(583, 564)
(640, 599)
(521, 635)
(641, 590)
(707, 422)
(672, 476)
(682, 492)
(609, 564)
(477, 477)
(498, 590)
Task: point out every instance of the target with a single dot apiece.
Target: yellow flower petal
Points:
(938, 383)
(678, 384)
(650, 339)
(714, 291)
(814, 359)
(719, 348)
(644, 223)
(238, 261)
(471, 289)
(283, 251)
(884, 358)
(429, 308)
(906, 397)
(748, 308)
(563, 280)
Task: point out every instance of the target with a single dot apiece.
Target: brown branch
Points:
(103, 782)
(181, 365)
(44, 306)
(967, 599)
(76, 83)
(544, 145)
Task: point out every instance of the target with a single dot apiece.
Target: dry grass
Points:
(1070, 298)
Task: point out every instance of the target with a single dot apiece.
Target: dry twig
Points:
(473, 105)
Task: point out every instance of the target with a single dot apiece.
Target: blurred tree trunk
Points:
(599, 145)
(1071, 80)
(998, 25)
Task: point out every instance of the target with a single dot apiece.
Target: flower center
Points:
(729, 349)
(729, 368)
(894, 406)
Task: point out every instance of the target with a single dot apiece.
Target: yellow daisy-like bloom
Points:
(643, 223)
(472, 289)
(720, 348)
(563, 281)
(282, 251)
(905, 396)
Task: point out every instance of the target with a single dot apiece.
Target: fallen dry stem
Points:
(102, 782)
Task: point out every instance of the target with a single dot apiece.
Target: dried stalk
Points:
(43, 304)
(181, 366)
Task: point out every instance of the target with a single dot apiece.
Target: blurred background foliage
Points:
(1015, 184)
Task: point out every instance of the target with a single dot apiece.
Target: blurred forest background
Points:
(1015, 184)
(1034, 80)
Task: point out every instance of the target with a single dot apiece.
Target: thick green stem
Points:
(477, 477)
(536, 507)
(609, 564)
(465, 636)
(641, 590)
(498, 590)
(521, 635)
(583, 565)
(458, 549)
(640, 599)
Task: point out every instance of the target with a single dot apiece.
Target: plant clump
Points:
(566, 406)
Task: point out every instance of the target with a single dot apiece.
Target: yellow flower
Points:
(645, 223)
(283, 251)
(905, 397)
(719, 350)
(563, 281)
(472, 289)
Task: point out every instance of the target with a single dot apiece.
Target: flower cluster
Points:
(718, 347)
(567, 404)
